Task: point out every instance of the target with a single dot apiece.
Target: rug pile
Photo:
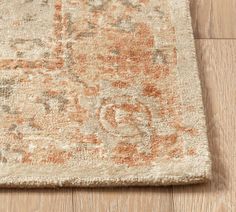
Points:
(99, 93)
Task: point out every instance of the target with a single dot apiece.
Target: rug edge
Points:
(14, 182)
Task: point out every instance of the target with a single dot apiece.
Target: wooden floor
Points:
(215, 33)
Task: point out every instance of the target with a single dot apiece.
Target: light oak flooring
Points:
(215, 32)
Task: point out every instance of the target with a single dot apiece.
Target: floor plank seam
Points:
(72, 199)
(172, 197)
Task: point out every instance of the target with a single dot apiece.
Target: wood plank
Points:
(36, 200)
(214, 18)
(217, 67)
(123, 199)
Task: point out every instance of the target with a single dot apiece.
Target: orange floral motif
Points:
(132, 53)
(120, 84)
(126, 153)
(152, 91)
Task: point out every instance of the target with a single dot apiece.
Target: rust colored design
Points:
(107, 90)
(161, 146)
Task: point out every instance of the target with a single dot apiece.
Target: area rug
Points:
(99, 93)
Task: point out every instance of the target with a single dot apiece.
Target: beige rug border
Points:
(193, 170)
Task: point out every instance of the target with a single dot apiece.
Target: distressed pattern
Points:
(93, 90)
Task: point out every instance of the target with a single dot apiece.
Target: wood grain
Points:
(217, 61)
(123, 199)
(214, 18)
(36, 200)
